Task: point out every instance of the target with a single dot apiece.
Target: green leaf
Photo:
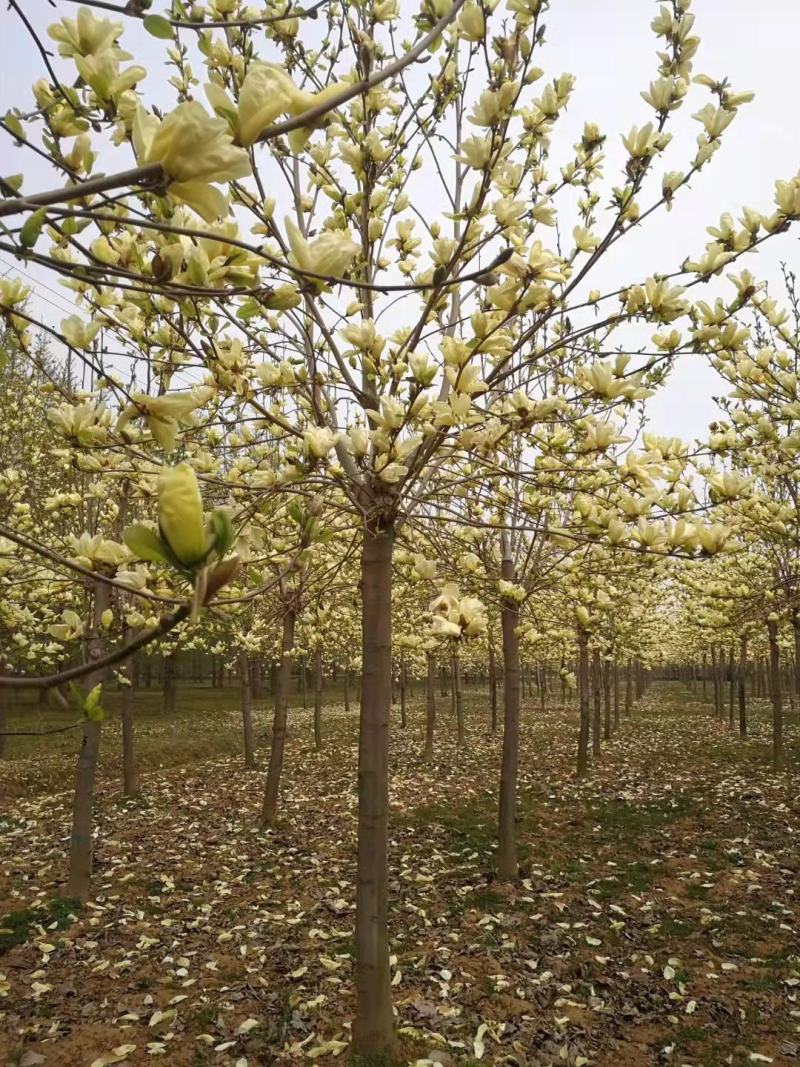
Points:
(158, 26)
(14, 181)
(32, 227)
(146, 544)
(76, 693)
(249, 310)
(222, 531)
(95, 714)
(295, 511)
(93, 698)
(12, 121)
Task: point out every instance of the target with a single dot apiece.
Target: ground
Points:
(655, 922)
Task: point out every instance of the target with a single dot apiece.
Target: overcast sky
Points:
(608, 46)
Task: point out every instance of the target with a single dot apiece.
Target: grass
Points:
(661, 809)
(17, 927)
(206, 725)
(469, 827)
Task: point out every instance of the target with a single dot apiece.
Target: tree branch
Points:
(150, 174)
(118, 655)
(309, 117)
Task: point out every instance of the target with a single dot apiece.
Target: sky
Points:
(609, 47)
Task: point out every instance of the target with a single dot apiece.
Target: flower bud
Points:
(180, 514)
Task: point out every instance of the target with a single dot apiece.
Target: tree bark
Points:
(731, 687)
(255, 679)
(616, 696)
(716, 682)
(606, 671)
(80, 845)
(742, 684)
(430, 707)
(584, 698)
(4, 705)
(459, 699)
(280, 700)
(318, 697)
(493, 687)
(403, 680)
(373, 1027)
(170, 688)
(507, 865)
(245, 680)
(596, 710)
(629, 687)
(705, 677)
(130, 773)
(775, 695)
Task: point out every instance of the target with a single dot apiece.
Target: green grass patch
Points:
(620, 820)
(17, 927)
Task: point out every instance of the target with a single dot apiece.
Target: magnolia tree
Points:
(253, 273)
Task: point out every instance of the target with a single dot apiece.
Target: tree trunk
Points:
(130, 773)
(716, 681)
(80, 845)
(255, 679)
(459, 700)
(269, 808)
(629, 687)
(493, 687)
(347, 688)
(616, 696)
(373, 1027)
(403, 681)
(705, 676)
(170, 688)
(4, 706)
(430, 708)
(318, 697)
(584, 698)
(605, 667)
(507, 865)
(597, 707)
(247, 711)
(542, 674)
(742, 683)
(731, 687)
(775, 695)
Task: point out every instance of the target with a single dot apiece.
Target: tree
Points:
(338, 130)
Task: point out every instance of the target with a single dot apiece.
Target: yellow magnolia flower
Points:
(330, 254)
(86, 35)
(78, 333)
(69, 628)
(180, 514)
(194, 148)
(267, 92)
(318, 441)
(163, 414)
(103, 74)
(471, 23)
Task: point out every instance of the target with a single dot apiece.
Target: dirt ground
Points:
(655, 922)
